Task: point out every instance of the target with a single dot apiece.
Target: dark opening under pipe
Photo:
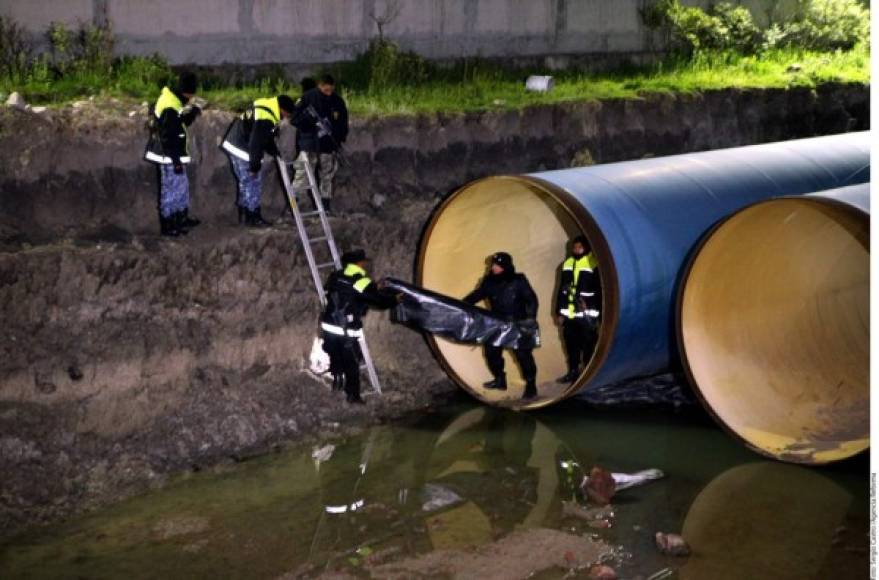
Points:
(643, 218)
(774, 325)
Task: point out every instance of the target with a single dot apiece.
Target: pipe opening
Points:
(774, 328)
(533, 221)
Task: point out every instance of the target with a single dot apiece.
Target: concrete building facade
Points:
(313, 32)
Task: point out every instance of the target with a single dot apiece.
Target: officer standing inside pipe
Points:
(511, 297)
(578, 306)
(249, 137)
(350, 293)
(168, 147)
(317, 110)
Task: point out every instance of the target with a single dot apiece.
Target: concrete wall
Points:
(214, 32)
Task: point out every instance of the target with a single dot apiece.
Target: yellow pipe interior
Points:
(775, 328)
(511, 215)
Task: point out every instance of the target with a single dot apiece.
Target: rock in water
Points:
(600, 486)
(16, 100)
(672, 544)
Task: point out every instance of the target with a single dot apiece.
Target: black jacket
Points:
(169, 145)
(250, 140)
(331, 108)
(350, 294)
(509, 295)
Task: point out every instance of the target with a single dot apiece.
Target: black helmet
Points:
(187, 84)
(287, 104)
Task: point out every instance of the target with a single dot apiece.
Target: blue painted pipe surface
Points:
(652, 212)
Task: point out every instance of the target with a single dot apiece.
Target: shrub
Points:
(828, 25)
(384, 64)
(742, 33)
(15, 50)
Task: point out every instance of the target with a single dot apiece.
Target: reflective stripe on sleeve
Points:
(339, 331)
(236, 151)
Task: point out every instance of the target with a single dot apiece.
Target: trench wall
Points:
(213, 32)
(125, 356)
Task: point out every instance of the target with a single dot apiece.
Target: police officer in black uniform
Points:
(578, 306)
(350, 293)
(510, 296)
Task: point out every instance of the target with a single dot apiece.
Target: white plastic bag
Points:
(318, 360)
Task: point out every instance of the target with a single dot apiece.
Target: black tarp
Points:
(456, 320)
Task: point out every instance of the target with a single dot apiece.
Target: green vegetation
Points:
(825, 41)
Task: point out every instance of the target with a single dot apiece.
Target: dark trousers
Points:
(344, 360)
(494, 356)
(580, 336)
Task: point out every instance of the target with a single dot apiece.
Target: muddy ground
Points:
(126, 357)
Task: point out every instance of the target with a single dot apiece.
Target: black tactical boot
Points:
(325, 201)
(499, 383)
(177, 217)
(167, 227)
(355, 399)
(189, 222)
(530, 390)
(570, 377)
(255, 220)
(338, 382)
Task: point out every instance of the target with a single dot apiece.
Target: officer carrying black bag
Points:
(350, 293)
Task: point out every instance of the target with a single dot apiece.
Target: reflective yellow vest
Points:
(352, 270)
(261, 114)
(587, 263)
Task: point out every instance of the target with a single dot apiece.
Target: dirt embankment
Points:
(126, 357)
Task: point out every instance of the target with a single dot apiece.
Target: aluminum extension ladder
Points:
(308, 245)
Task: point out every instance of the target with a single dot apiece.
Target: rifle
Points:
(325, 130)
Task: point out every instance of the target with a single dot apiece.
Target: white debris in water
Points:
(39, 109)
(321, 454)
(437, 497)
(627, 480)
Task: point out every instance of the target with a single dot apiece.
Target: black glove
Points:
(528, 324)
(255, 166)
(178, 168)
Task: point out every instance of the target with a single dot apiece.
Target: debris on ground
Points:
(599, 486)
(668, 390)
(672, 544)
(662, 574)
(437, 497)
(16, 101)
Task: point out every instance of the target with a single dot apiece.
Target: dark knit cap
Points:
(188, 83)
(286, 103)
(502, 259)
(354, 256)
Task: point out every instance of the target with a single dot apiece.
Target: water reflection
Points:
(466, 477)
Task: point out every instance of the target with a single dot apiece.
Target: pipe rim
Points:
(817, 200)
(609, 284)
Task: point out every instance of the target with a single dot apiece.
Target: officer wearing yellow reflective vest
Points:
(168, 147)
(578, 306)
(250, 136)
(349, 293)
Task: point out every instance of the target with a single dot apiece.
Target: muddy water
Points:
(468, 477)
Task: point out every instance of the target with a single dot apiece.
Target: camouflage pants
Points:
(326, 165)
(249, 184)
(173, 191)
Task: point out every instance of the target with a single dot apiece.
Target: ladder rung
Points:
(318, 239)
(325, 264)
(310, 214)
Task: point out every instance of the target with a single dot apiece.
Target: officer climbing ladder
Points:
(308, 243)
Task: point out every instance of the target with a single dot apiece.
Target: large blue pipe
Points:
(643, 219)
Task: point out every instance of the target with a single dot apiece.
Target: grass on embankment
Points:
(486, 86)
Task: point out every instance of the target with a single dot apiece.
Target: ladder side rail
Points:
(324, 221)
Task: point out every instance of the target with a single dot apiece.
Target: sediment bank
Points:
(127, 357)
